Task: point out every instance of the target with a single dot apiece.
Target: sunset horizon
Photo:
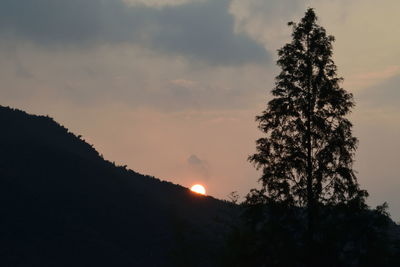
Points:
(182, 92)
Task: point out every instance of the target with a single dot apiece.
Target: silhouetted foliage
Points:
(271, 234)
(307, 154)
(233, 197)
(310, 210)
(62, 204)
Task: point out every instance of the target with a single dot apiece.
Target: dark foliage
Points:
(346, 235)
(310, 210)
(307, 154)
(62, 204)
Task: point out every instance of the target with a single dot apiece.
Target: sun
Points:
(199, 189)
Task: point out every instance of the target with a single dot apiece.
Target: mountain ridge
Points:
(63, 204)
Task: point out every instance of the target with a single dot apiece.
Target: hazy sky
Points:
(171, 87)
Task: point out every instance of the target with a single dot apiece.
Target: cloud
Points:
(194, 160)
(127, 75)
(158, 3)
(199, 30)
(198, 166)
(266, 21)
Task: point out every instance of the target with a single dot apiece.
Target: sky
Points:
(171, 87)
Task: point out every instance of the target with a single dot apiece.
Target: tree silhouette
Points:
(307, 153)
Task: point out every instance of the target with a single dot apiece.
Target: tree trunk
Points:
(310, 191)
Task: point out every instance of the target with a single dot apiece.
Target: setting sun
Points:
(197, 188)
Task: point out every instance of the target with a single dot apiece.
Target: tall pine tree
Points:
(307, 153)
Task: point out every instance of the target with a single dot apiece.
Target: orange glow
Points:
(199, 189)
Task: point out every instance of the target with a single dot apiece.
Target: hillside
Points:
(62, 204)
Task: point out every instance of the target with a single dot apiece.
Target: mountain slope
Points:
(62, 204)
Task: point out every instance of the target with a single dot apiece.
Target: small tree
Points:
(307, 153)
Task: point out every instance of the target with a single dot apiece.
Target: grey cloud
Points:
(207, 30)
(199, 30)
(194, 160)
(199, 166)
(48, 21)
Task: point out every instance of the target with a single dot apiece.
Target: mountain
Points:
(62, 204)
